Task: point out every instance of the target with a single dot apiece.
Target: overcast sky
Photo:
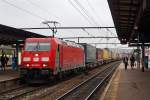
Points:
(31, 13)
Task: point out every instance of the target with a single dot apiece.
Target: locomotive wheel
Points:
(22, 80)
(75, 71)
(59, 76)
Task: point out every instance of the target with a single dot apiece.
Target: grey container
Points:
(90, 53)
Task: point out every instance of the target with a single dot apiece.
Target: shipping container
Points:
(99, 54)
(106, 54)
(90, 53)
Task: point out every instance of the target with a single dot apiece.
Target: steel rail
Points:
(12, 89)
(100, 84)
(14, 94)
(83, 83)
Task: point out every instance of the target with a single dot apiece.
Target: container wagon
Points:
(99, 56)
(90, 55)
(106, 55)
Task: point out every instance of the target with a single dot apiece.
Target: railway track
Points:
(19, 92)
(86, 89)
(11, 89)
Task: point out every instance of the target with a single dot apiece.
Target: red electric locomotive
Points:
(44, 58)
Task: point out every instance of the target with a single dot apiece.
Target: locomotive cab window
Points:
(37, 46)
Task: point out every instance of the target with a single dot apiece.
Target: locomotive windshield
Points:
(37, 46)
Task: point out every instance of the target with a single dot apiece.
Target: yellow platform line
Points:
(114, 91)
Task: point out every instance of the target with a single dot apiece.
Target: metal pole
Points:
(78, 40)
(138, 59)
(54, 29)
(51, 29)
(53, 32)
(138, 55)
(17, 51)
(143, 55)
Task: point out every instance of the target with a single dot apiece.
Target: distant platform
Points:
(8, 78)
(8, 74)
(130, 84)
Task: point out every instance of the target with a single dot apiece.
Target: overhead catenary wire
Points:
(24, 10)
(85, 12)
(78, 10)
(111, 32)
(87, 15)
(42, 8)
(97, 16)
(71, 27)
(88, 32)
(92, 8)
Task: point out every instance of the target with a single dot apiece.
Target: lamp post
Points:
(54, 29)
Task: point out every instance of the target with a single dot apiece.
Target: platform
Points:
(8, 74)
(128, 85)
(8, 78)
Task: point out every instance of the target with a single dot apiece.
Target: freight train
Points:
(43, 58)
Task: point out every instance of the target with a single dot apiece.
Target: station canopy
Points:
(10, 35)
(132, 20)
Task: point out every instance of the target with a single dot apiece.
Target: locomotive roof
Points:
(69, 43)
(37, 39)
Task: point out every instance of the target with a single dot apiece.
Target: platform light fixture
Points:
(136, 39)
(19, 40)
(135, 27)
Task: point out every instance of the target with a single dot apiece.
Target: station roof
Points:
(10, 35)
(131, 19)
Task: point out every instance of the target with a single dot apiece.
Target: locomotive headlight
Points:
(44, 65)
(44, 59)
(27, 65)
(26, 59)
(36, 55)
